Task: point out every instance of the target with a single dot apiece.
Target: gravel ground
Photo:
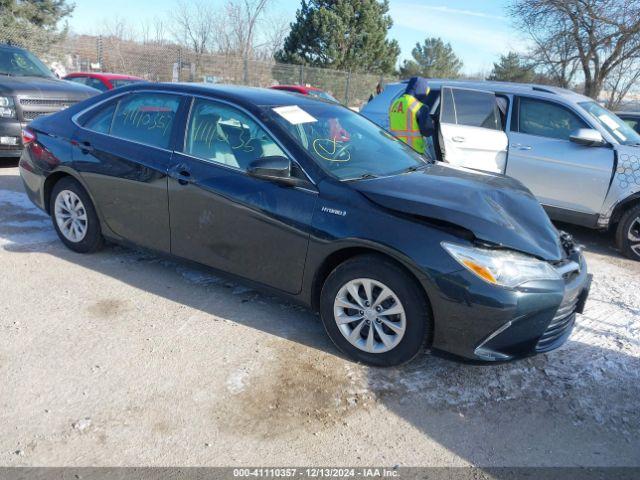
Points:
(126, 358)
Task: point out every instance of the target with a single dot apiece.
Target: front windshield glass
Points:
(617, 127)
(21, 63)
(344, 143)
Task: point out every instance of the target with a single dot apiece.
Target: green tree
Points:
(512, 68)
(342, 34)
(33, 24)
(433, 59)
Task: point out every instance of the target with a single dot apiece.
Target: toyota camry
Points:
(313, 201)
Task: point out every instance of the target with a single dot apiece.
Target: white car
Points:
(580, 160)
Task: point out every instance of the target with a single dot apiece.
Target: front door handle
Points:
(458, 139)
(519, 146)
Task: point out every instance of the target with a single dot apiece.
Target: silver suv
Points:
(580, 160)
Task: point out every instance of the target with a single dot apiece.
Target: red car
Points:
(102, 81)
(306, 90)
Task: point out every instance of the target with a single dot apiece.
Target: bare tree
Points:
(275, 29)
(116, 32)
(554, 59)
(194, 23)
(623, 79)
(597, 35)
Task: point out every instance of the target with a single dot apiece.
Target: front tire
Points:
(375, 312)
(74, 217)
(628, 233)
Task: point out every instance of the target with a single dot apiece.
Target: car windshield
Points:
(344, 143)
(612, 123)
(321, 94)
(20, 63)
(123, 82)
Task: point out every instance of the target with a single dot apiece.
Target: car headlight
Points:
(501, 267)
(7, 108)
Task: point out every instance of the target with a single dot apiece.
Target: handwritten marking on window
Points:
(331, 150)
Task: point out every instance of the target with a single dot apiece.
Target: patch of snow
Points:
(237, 381)
(21, 222)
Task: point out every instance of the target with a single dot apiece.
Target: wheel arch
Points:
(54, 178)
(622, 206)
(345, 253)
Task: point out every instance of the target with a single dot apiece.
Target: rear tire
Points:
(628, 233)
(352, 310)
(74, 217)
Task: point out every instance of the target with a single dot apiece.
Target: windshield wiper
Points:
(7, 74)
(364, 176)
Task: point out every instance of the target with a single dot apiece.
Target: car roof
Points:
(109, 76)
(244, 96)
(506, 87)
(297, 88)
(8, 46)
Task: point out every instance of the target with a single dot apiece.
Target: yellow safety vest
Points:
(404, 124)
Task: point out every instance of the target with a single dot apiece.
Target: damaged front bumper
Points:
(490, 324)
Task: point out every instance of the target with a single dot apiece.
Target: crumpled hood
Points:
(45, 87)
(495, 208)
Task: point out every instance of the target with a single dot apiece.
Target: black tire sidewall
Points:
(93, 240)
(417, 311)
(623, 228)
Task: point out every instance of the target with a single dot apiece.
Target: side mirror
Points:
(587, 137)
(274, 168)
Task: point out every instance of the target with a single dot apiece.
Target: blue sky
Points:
(478, 30)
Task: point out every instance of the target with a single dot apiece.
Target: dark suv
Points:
(28, 90)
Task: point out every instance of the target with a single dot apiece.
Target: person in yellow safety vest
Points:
(409, 118)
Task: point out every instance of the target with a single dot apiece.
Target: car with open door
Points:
(394, 251)
(581, 161)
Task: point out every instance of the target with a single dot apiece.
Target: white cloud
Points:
(477, 37)
(456, 11)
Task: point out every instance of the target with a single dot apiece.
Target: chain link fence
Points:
(168, 62)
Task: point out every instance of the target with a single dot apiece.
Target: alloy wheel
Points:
(71, 216)
(369, 315)
(633, 235)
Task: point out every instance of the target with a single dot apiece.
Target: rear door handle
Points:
(180, 173)
(85, 147)
(458, 139)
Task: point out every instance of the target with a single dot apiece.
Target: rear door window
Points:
(471, 108)
(547, 119)
(146, 118)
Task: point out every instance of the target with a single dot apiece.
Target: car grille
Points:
(28, 116)
(33, 108)
(559, 327)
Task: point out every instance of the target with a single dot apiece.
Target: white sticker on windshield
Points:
(609, 122)
(294, 114)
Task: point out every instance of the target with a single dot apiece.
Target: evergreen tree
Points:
(342, 34)
(33, 24)
(432, 59)
(512, 68)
